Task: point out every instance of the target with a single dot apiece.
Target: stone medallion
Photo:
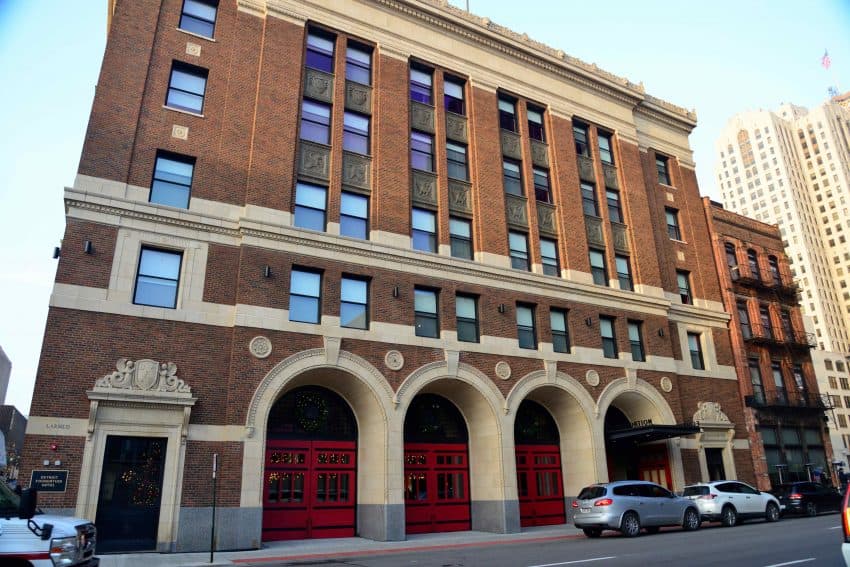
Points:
(394, 360)
(260, 347)
(503, 370)
(666, 384)
(592, 377)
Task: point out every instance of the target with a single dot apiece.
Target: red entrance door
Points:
(653, 465)
(540, 485)
(436, 492)
(309, 489)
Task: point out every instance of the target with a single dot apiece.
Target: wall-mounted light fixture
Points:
(588, 321)
(88, 248)
(267, 271)
(396, 291)
(56, 252)
(502, 308)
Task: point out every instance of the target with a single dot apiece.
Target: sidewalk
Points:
(352, 546)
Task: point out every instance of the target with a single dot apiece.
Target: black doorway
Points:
(714, 462)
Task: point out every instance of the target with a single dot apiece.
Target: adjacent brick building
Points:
(402, 269)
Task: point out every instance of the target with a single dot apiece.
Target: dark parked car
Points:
(809, 498)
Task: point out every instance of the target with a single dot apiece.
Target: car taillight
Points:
(845, 517)
(795, 496)
(575, 503)
(708, 497)
(603, 502)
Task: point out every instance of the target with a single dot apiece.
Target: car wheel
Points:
(771, 514)
(728, 517)
(653, 530)
(691, 521)
(811, 509)
(592, 532)
(630, 525)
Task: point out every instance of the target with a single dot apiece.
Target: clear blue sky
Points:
(719, 57)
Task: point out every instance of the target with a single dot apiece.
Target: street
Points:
(792, 541)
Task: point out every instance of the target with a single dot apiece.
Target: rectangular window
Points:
(773, 263)
(525, 331)
(315, 122)
(833, 383)
(512, 177)
(605, 148)
(615, 213)
(456, 158)
(358, 64)
(310, 206)
(460, 236)
(663, 172)
(609, 339)
(597, 267)
(354, 215)
(787, 328)
(549, 255)
(535, 123)
(157, 278)
(580, 136)
(466, 311)
(541, 185)
(421, 151)
(305, 296)
(519, 250)
(198, 17)
(186, 87)
(589, 204)
(732, 262)
(425, 312)
(354, 303)
(695, 346)
(636, 341)
(753, 261)
(420, 84)
(766, 325)
(355, 133)
(744, 319)
(779, 382)
(624, 272)
(424, 230)
(320, 51)
(560, 332)
(755, 380)
(507, 114)
(683, 279)
(453, 95)
(172, 180)
(673, 230)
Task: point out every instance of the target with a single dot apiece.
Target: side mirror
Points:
(29, 502)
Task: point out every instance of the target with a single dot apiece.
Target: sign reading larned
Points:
(49, 481)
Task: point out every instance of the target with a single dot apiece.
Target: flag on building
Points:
(825, 60)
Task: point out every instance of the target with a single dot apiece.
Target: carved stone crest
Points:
(503, 370)
(539, 153)
(394, 360)
(424, 188)
(314, 160)
(144, 375)
(592, 377)
(261, 347)
(422, 117)
(193, 49)
(666, 384)
(516, 212)
(510, 145)
(710, 413)
(455, 127)
(179, 132)
(546, 218)
(594, 230)
(356, 170)
(459, 197)
(358, 97)
(585, 169)
(621, 242)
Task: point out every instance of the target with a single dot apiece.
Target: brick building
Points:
(403, 270)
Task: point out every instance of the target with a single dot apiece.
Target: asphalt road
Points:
(792, 541)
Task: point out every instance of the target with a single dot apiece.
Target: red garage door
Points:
(538, 467)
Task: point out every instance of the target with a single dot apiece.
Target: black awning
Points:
(648, 433)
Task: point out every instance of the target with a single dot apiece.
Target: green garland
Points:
(311, 411)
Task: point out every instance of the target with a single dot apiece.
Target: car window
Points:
(695, 490)
(746, 488)
(661, 492)
(807, 487)
(628, 490)
(730, 487)
(591, 492)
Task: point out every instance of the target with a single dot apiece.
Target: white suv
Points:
(730, 501)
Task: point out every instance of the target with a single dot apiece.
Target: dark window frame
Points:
(560, 338)
(615, 211)
(609, 342)
(519, 258)
(507, 120)
(697, 358)
(318, 53)
(589, 200)
(662, 166)
(354, 67)
(432, 236)
(418, 89)
(317, 298)
(192, 71)
(457, 241)
(674, 229)
(581, 138)
(536, 130)
(466, 322)
(685, 294)
(161, 179)
(308, 208)
(175, 280)
(199, 19)
(364, 305)
(599, 273)
(753, 264)
(452, 103)
(551, 264)
(732, 261)
(344, 214)
(624, 278)
(542, 186)
(351, 133)
(457, 161)
(744, 319)
(425, 315)
(508, 179)
(609, 151)
(526, 332)
(310, 125)
(418, 151)
(636, 345)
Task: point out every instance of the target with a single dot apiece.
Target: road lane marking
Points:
(792, 562)
(575, 562)
(834, 528)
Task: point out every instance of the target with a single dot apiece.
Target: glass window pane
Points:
(465, 307)
(693, 342)
(524, 316)
(460, 227)
(547, 248)
(305, 283)
(597, 260)
(320, 43)
(173, 170)
(467, 332)
(354, 205)
(558, 321)
(169, 194)
(160, 264)
(187, 81)
(420, 77)
(155, 292)
(535, 116)
(425, 301)
(634, 332)
(353, 315)
(426, 327)
(356, 122)
(506, 106)
(424, 220)
(353, 290)
(310, 196)
(303, 309)
(310, 219)
(453, 89)
(178, 99)
(606, 327)
(359, 55)
(352, 227)
(518, 242)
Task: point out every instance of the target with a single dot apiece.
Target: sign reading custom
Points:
(49, 480)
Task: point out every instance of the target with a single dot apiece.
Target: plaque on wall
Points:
(49, 480)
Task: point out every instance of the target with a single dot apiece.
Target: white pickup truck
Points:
(42, 540)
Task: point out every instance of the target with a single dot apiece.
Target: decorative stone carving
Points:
(670, 197)
(261, 347)
(193, 49)
(394, 360)
(314, 160)
(710, 413)
(145, 375)
(456, 127)
(631, 378)
(539, 153)
(421, 117)
(546, 218)
(452, 362)
(621, 237)
(511, 144)
(332, 346)
(503, 370)
(423, 188)
(680, 255)
(666, 384)
(357, 171)
(180, 132)
(592, 377)
(460, 196)
(319, 85)
(358, 97)
(585, 169)
(594, 230)
(610, 173)
(516, 210)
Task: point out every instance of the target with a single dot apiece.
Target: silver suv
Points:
(629, 505)
(731, 501)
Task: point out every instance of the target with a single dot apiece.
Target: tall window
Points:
(420, 84)
(421, 151)
(673, 230)
(541, 185)
(354, 303)
(800, 383)
(466, 312)
(588, 200)
(609, 339)
(597, 267)
(624, 272)
(460, 236)
(424, 230)
(560, 332)
(787, 328)
(457, 163)
(198, 17)
(507, 114)
(316, 122)
(172, 180)
(744, 319)
(355, 133)
(535, 123)
(358, 64)
(755, 380)
(779, 382)
(310, 204)
(695, 346)
(683, 279)
(519, 250)
(580, 136)
(354, 215)
(615, 213)
(766, 326)
(512, 177)
(549, 255)
(425, 312)
(157, 278)
(453, 95)
(636, 341)
(773, 263)
(186, 87)
(320, 51)
(305, 296)
(605, 148)
(663, 171)
(525, 331)
(732, 261)
(753, 262)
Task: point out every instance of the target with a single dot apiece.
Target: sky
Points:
(719, 58)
